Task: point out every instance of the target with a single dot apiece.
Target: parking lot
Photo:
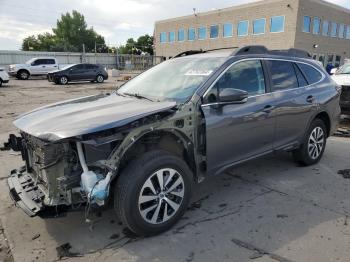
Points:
(266, 210)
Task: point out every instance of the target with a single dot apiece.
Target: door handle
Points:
(268, 108)
(310, 99)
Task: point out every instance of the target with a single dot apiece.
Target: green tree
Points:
(72, 30)
(70, 34)
(144, 44)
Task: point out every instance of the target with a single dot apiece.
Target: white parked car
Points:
(34, 66)
(342, 78)
(4, 77)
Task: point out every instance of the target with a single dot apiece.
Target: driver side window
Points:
(245, 75)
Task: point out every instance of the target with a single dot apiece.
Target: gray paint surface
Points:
(86, 115)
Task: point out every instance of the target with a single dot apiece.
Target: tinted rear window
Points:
(50, 61)
(312, 75)
(91, 67)
(282, 75)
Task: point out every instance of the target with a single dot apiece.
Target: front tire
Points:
(0, 82)
(314, 144)
(153, 192)
(63, 80)
(23, 74)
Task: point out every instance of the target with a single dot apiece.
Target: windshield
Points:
(30, 61)
(345, 69)
(175, 79)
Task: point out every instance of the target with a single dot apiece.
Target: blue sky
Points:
(116, 20)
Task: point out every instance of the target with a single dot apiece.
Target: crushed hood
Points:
(86, 115)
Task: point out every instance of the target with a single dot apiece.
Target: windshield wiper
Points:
(138, 96)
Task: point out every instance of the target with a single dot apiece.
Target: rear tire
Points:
(0, 82)
(23, 74)
(153, 192)
(313, 145)
(100, 79)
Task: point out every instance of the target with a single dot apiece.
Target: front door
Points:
(237, 132)
(77, 72)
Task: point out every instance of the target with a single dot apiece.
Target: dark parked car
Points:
(172, 126)
(78, 72)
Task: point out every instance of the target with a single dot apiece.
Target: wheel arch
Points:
(172, 141)
(23, 69)
(324, 116)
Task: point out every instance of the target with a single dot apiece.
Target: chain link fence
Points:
(110, 61)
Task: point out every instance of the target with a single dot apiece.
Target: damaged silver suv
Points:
(193, 116)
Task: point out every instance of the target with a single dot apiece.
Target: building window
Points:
(191, 34)
(307, 24)
(259, 26)
(317, 26)
(214, 31)
(242, 28)
(325, 28)
(334, 29)
(348, 32)
(171, 37)
(277, 24)
(202, 33)
(228, 29)
(181, 35)
(163, 37)
(341, 31)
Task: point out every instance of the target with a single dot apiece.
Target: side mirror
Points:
(230, 95)
(32, 64)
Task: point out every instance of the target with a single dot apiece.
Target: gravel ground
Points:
(266, 210)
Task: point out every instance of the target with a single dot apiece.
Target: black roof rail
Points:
(189, 52)
(259, 49)
(292, 52)
(251, 49)
(200, 51)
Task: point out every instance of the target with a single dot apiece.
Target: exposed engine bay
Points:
(80, 170)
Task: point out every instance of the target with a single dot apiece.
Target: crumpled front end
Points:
(50, 177)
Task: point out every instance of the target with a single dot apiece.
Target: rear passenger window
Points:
(312, 75)
(283, 75)
(301, 79)
(50, 61)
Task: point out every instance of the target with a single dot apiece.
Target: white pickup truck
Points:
(33, 67)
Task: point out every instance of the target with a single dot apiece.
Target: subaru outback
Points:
(146, 144)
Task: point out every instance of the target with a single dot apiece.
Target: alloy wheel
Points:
(63, 80)
(316, 142)
(24, 75)
(100, 79)
(161, 196)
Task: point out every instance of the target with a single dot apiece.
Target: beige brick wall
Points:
(263, 9)
(326, 45)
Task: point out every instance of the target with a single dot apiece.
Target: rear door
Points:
(50, 65)
(236, 132)
(293, 100)
(91, 71)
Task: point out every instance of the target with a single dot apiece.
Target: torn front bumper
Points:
(25, 193)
